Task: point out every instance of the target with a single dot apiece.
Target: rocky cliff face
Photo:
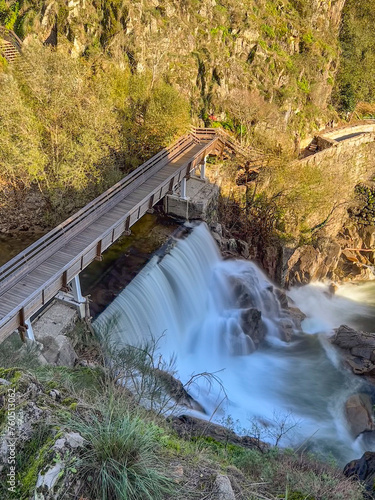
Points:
(276, 58)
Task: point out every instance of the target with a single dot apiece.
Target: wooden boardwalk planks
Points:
(74, 244)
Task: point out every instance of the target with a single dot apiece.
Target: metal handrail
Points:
(48, 244)
(190, 163)
(11, 37)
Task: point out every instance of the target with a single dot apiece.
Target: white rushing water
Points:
(189, 299)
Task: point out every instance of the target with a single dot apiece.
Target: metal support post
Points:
(29, 330)
(203, 168)
(183, 189)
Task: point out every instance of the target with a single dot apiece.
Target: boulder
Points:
(189, 427)
(223, 488)
(358, 348)
(58, 350)
(241, 292)
(358, 411)
(286, 329)
(252, 325)
(69, 441)
(176, 390)
(297, 316)
(243, 249)
(362, 469)
(46, 482)
(310, 263)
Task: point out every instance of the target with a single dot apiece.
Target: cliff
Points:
(254, 63)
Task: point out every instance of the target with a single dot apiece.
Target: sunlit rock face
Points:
(216, 54)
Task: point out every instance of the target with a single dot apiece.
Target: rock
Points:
(217, 228)
(58, 350)
(48, 480)
(362, 470)
(242, 293)
(70, 440)
(252, 325)
(189, 427)
(223, 488)
(177, 472)
(221, 243)
(358, 410)
(243, 249)
(176, 390)
(358, 348)
(286, 328)
(4, 382)
(309, 263)
(55, 395)
(282, 298)
(232, 245)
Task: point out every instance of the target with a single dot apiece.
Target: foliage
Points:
(365, 213)
(71, 127)
(356, 77)
(130, 453)
(8, 13)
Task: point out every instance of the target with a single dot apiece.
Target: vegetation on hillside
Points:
(71, 127)
(356, 76)
(120, 451)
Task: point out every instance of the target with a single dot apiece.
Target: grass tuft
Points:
(120, 460)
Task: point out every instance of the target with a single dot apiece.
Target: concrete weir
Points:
(199, 202)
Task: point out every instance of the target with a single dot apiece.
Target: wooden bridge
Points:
(53, 263)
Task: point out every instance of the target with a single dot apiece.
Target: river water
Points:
(186, 300)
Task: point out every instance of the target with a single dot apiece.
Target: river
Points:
(187, 299)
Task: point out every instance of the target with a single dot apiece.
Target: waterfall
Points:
(195, 303)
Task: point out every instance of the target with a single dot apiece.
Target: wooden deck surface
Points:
(35, 276)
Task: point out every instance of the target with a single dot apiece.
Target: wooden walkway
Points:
(37, 274)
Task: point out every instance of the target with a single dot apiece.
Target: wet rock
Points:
(223, 488)
(242, 293)
(232, 245)
(297, 316)
(358, 411)
(286, 329)
(176, 390)
(358, 348)
(243, 249)
(217, 229)
(362, 470)
(282, 298)
(189, 427)
(252, 325)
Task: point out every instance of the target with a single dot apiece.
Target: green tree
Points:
(22, 162)
(356, 77)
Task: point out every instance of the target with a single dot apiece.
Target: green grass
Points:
(120, 461)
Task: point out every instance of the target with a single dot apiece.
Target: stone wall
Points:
(354, 156)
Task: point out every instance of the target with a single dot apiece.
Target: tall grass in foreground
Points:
(120, 460)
